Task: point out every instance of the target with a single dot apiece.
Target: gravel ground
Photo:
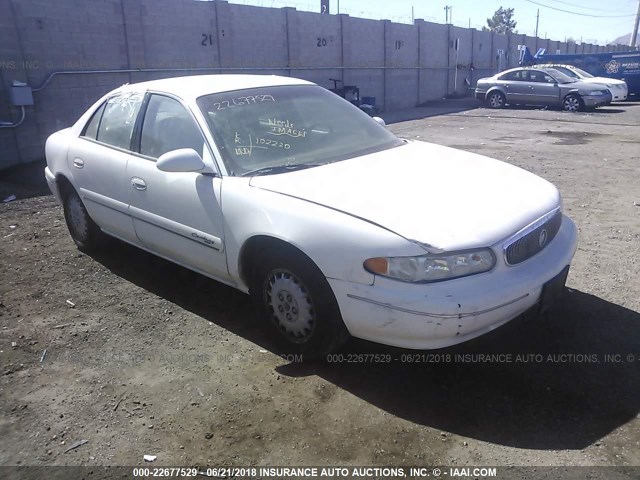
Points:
(144, 357)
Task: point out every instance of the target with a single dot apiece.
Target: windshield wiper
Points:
(279, 169)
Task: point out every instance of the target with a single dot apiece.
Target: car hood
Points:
(603, 81)
(441, 197)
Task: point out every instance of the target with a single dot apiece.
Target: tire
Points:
(572, 103)
(83, 230)
(295, 299)
(496, 100)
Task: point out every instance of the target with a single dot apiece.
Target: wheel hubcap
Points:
(571, 104)
(290, 305)
(495, 100)
(77, 218)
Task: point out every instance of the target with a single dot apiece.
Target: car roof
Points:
(194, 86)
(543, 67)
(553, 65)
(528, 67)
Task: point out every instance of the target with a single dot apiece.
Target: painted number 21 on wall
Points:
(207, 40)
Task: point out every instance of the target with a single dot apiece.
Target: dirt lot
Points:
(144, 357)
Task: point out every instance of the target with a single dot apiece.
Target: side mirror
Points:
(181, 160)
(380, 121)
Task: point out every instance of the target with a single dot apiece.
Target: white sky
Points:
(610, 19)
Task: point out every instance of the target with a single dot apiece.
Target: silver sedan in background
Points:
(540, 86)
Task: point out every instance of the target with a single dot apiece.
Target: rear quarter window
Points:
(91, 128)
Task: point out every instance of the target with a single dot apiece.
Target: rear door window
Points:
(518, 75)
(119, 118)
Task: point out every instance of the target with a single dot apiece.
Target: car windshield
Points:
(573, 72)
(282, 128)
(582, 73)
(568, 72)
(559, 76)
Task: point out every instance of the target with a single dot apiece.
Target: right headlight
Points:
(433, 268)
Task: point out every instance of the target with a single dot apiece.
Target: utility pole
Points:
(634, 35)
(448, 13)
(537, 21)
(412, 17)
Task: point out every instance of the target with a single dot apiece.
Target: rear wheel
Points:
(295, 298)
(572, 103)
(496, 100)
(84, 231)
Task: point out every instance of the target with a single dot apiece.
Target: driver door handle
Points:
(138, 183)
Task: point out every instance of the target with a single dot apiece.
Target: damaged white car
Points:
(333, 225)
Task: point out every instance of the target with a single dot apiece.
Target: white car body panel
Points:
(618, 88)
(336, 242)
(100, 174)
(442, 314)
(178, 215)
(405, 201)
(422, 175)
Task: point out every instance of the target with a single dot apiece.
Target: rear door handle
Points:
(78, 163)
(138, 183)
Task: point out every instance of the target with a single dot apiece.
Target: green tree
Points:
(501, 22)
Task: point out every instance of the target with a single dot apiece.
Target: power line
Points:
(577, 13)
(580, 6)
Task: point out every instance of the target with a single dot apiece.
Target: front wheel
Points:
(295, 298)
(84, 231)
(496, 100)
(572, 103)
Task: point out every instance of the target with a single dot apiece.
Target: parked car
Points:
(540, 86)
(335, 227)
(618, 88)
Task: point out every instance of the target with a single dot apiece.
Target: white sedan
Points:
(618, 88)
(333, 225)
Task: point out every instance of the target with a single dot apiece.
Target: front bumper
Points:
(596, 100)
(619, 93)
(437, 315)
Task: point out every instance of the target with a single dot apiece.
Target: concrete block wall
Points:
(482, 55)
(401, 62)
(43, 37)
(12, 68)
(515, 39)
(434, 60)
(400, 65)
(363, 56)
(460, 60)
(170, 34)
(318, 42)
(500, 42)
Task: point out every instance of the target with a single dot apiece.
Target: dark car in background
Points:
(540, 86)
